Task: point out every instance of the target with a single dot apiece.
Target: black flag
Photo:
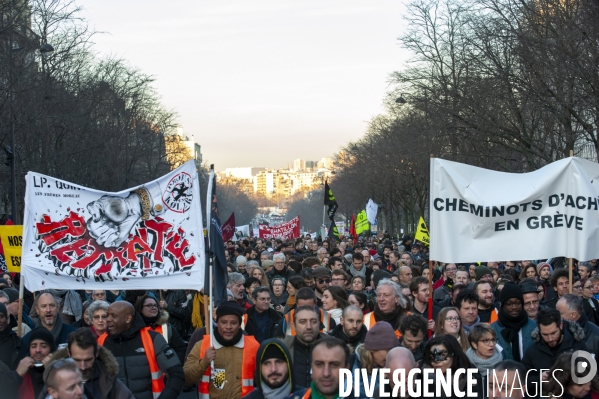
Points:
(333, 232)
(330, 201)
(216, 249)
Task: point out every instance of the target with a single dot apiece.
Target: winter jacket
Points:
(540, 356)
(352, 343)
(178, 308)
(134, 369)
(104, 384)
(171, 335)
(274, 319)
(300, 356)
(527, 340)
(62, 338)
(10, 381)
(591, 310)
(257, 393)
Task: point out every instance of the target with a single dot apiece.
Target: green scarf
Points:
(314, 394)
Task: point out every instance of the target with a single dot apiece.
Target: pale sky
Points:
(260, 82)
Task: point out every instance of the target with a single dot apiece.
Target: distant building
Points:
(242, 173)
(299, 165)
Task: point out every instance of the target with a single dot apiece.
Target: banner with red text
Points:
(147, 237)
(285, 231)
(228, 228)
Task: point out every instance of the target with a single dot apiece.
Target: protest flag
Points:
(361, 224)
(229, 228)
(330, 201)
(333, 232)
(352, 229)
(422, 233)
(215, 261)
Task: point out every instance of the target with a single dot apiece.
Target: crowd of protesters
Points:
(297, 313)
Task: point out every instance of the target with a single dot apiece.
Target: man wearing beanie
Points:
(513, 328)
(544, 271)
(380, 339)
(232, 354)
(240, 262)
(30, 372)
(274, 372)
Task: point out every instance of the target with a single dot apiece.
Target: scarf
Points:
(55, 330)
(196, 311)
(229, 342)
(336, 314)
(274, 393)
(484, 364)
(391, 318)
(71, 303)
(291, 302)
(354, 272)
(314, 394)
(512, 325)
(150, 320)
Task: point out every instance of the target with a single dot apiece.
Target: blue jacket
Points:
(527, 340)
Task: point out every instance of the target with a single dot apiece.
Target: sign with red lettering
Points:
(284, 231)
(147, 237)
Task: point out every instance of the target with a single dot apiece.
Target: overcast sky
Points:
(260, 82)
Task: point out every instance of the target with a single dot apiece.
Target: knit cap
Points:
(43, 334)
(3, 310)
(543, 265)
(229, 308)
(380, 337)
(241, 260)
(528, 287)
(273, 351)
(13, 294)
(510, 291)
(482, 271)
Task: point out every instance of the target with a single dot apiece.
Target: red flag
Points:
(352, 229)
(229, 228)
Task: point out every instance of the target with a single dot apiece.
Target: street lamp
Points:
(400, 100)
(45, 50)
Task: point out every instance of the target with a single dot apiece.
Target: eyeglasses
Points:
(531, 303)
(577, 287)
(338, 279)
(277, 285)
(151, 306)
(452, 319)
(488, 341)
(101, 317)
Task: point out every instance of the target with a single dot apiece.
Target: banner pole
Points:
(570, 275)
(210, 308)
(430, 261)
(20, 316)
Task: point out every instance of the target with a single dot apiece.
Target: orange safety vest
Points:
(156, 373)
(248, 367)
(494, 316)
(326, 322)
(369, 321)
(307, 394)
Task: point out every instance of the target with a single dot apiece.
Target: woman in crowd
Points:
(449, 322)
(279, 295)
(495, 273)
(360, 300)
(157, 320)
(540, 290)
(380, 339)
(425, 272)
(258, 272)
(530, 271)
(85, 320)
(293, 285)
(561, 384)
(591, 305)
(483, 352)
(98, 314)
(444, 352)
(334, 300)
(472, 272)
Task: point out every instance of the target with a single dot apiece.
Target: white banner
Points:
(484, 215)
(371, 210)
(148, 237)
(241, 232)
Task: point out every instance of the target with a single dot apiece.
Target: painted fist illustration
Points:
(113, 218)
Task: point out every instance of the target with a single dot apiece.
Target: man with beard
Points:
(329, 355)
(97, 365)
(143, 356)
(544, 271)
(390, 306)
(47, 309)
(419, 288)
(413, 334)
(513, 326)
(486, 306)
(571, 308)
(233, 355)
(559, 284)
(322, 279)
(31, 368)
(305, 297)
(235, 284)
(273, 376)
(305, 323)
(357, 267)
(350, 330)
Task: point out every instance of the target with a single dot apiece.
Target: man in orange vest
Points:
(329, 355)
(143, 356)
(232, 354)
(486, 301)
(390, 307)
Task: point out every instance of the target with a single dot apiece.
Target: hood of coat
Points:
(265, 344)
(162, 318)
(109, 363)
(574, 329)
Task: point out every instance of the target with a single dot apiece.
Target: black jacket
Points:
(174, 339)
(338, 332)
(257, 392)
(274, 319)
(300, 355)
(10, 381)
(134, 370)
(286, 273)
(591, 313)
(104, 384)
(540, 356)
(178, 308)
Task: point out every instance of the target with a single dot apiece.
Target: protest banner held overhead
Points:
(422, 233)
(241, 232)
(284, 231)
(146, 237)
(11, 237)
(484, 215)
